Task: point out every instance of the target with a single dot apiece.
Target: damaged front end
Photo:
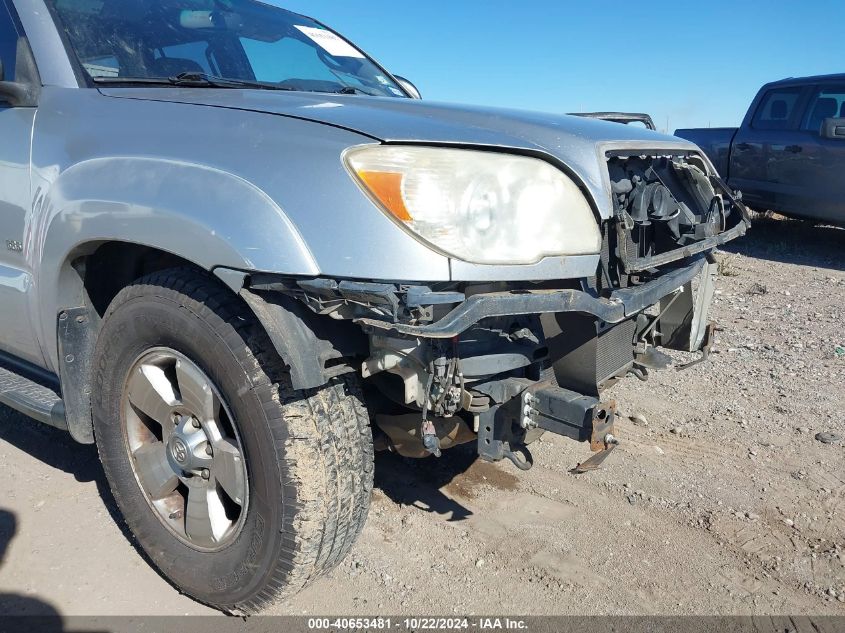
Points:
(502, 363)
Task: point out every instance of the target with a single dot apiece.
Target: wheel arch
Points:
(198, 214)
(92, 275)
(88, 279)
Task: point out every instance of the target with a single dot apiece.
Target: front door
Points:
(817, 176)
(16, 330)
(765, 150)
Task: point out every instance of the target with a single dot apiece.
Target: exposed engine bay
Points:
(501, 363)
(666, 203)
(673, 197)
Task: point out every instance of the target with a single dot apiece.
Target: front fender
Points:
(202, 214)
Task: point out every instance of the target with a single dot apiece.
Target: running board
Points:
(31, 398)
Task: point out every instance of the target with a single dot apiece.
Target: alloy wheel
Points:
(185, 450)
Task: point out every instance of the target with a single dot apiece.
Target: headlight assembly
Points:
(481, 207)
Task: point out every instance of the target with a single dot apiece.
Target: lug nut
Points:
(196, 424)
(209, 451)
(205, 473)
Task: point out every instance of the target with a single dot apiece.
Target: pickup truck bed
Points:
(716, 143)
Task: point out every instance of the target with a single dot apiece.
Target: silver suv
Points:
(240, 256)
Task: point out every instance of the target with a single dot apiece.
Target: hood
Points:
(579, 143)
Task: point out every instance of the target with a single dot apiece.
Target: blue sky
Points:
(691, 63)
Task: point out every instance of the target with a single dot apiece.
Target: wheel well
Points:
(312, 347)
(114, 265)
(89, 281)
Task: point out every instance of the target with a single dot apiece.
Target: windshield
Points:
(119, 41)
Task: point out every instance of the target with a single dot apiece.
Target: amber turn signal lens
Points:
(387, 187)
(478, 206)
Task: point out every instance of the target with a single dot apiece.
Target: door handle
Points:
(743, 147)
(795, 149)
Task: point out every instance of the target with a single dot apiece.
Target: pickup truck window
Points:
(777, 109)
(118, 41)
(8, 42)
(827, 102)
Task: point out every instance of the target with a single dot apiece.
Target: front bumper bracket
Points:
(521, 406)
(622, 304)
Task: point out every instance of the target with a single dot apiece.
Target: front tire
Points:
(184, 372)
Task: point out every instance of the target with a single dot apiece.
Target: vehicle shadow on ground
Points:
(418, 482)
(42, 615)
(57, 449)
(53, 447)
(410, 482)
(792, 242)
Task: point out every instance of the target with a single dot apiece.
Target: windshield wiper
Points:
(202, 79)
(194, 80)
(353, 90)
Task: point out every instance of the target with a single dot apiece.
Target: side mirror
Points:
(16, 95)
(24, 93)
(410, 88)
(833, 128)
(6, 89)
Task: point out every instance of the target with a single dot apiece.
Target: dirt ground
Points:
(720, 499)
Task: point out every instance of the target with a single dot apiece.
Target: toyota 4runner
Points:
(240, 256)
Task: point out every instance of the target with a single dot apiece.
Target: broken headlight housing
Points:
(477, 206)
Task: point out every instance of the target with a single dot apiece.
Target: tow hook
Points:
(526, 462)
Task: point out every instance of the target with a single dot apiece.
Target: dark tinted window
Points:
(827, 102)
(777, 109)
(8, 42)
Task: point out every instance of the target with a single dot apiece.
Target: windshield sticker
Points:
(331, 43)
(101, 70)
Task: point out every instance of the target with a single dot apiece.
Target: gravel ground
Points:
(722, 499)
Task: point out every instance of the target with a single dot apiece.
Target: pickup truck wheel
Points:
(239, 488)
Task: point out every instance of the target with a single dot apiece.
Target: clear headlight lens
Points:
(481, 207)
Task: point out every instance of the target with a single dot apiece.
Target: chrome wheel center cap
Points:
(186, 448)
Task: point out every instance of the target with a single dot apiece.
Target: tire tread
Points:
(322, 438)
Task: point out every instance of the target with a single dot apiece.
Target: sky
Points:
(687, 63)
